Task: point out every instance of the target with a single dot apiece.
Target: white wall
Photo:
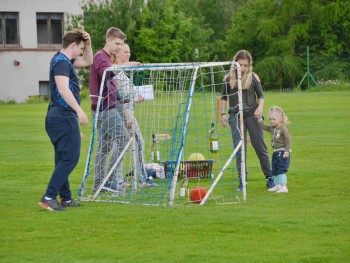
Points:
(19, 82)
(27, 14)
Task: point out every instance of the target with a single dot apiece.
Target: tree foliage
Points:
(165, 34)
(276, 32)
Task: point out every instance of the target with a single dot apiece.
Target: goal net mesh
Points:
(180, 104)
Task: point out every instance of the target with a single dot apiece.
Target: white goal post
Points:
(180, 104)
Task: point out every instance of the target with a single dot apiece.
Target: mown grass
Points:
(309, 224)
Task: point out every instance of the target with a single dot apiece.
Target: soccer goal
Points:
(152, 147)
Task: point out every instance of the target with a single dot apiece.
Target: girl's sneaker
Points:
(283, 189)
(275, 188)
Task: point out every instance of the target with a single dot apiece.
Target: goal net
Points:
(152, 146)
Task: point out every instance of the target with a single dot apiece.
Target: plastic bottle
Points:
(184, 187)
(155, 150)
(213, 140)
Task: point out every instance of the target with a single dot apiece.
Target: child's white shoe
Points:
(275, 188)
(283, 189)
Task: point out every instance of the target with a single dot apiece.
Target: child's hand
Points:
(285, 155)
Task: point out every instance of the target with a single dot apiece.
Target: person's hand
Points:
(285, 155)
(139, 98)
(224, 121)
(87, 38)
(129, 123)
(83, 118)
(258, 113)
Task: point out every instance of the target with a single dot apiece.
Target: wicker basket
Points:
(192, 169)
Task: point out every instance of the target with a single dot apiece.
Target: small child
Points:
(281, 144)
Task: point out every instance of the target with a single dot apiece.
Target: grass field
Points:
(309, 224)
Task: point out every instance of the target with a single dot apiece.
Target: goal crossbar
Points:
(181, 141)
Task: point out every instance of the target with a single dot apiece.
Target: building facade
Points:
(30, 34)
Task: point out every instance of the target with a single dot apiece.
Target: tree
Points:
(165, 34)
(278, 32)
(275, 32)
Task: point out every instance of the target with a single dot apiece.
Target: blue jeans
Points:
(112, 139)
(280, 165)
(64, 133)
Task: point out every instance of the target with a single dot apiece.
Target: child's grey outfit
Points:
(280, 142)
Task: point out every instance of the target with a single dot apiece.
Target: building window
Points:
(44, 89)
(9, 29)
(49, 29)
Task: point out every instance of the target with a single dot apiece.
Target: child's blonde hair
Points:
(278, 109)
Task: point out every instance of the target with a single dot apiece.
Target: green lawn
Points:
(309, 224)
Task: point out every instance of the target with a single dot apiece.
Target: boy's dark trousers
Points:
(64, 133)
